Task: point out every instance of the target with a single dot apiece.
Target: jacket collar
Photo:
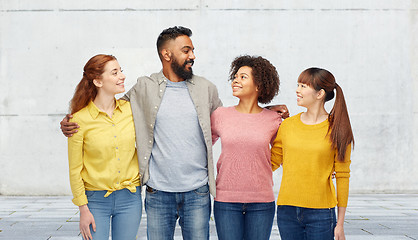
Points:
(161, 78)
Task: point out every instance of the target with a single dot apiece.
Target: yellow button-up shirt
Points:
(102, 154)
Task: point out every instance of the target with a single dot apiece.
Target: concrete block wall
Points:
(370, 47)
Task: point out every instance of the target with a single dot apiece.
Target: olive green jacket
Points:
(145, 98)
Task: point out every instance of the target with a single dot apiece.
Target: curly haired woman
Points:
(244, 204)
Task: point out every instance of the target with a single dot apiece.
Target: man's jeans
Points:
(247, 221)
(298, 223)
(122, 210)
(164, 208)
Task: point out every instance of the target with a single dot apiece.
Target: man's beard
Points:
(180, 70)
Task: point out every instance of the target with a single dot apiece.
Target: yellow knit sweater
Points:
(308, 163)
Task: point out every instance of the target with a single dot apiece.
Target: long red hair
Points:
(341, 134)
(86, 91)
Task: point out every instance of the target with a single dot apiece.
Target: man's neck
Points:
(170, 75)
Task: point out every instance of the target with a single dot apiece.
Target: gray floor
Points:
(369, 216)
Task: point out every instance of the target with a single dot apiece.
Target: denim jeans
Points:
(244, 220)
(122, 210)
(191, 208)
(298, 223)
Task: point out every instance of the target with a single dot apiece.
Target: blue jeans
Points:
(122, 210)
(298, 223)
(244, 220)
(164, 208)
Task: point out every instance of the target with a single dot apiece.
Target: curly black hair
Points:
(171, 34)
(264, 74)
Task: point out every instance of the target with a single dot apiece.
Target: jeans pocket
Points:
(151, 190)
(90, 194)
(137, 193)
(203, 190)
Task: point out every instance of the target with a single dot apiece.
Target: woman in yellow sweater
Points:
(311, 146)
(104, 172)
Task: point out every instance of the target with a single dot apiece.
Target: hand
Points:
(339, 232)
(280, 109)
(86, 218)
(68, 128)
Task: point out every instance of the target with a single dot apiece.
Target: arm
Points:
(277, 151)
(75, 162)
(339, 229)
(215, 101)
(342, 175)
(213, 123)
(280, 109)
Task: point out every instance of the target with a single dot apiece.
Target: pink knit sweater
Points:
(244, 167)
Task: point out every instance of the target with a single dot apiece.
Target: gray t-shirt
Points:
(178, 158)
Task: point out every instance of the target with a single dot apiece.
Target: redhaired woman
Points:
(104, 172)
(311, 146)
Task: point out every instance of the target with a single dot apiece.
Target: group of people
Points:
(160, 135)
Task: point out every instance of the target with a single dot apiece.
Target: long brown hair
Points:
(341, 134)
(86, 91)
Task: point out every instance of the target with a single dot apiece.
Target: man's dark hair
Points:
(171, 34)
(264, 74)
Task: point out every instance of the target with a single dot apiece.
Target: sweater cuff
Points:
(342, 191)
(80, 200)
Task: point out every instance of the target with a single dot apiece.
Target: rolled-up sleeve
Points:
(75, 160)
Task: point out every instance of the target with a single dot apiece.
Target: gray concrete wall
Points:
(370, 46)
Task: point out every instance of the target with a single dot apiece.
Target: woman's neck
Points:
(105, 103)
(248, 106)
(314, 115)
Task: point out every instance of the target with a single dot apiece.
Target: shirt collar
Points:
(95, 111)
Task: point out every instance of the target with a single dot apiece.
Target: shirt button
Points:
(118, 159)
(145, 158)
(118, 171)
(116, 147)
(155, 107)
(115, 136)
(113, 125)
(150, 141)
(151, 125)
(161, 90)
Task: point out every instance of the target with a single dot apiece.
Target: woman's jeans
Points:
(191, 208)
(298, 223)
(122, 210)
(244, 220)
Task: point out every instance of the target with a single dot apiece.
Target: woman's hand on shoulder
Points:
(280, 109)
